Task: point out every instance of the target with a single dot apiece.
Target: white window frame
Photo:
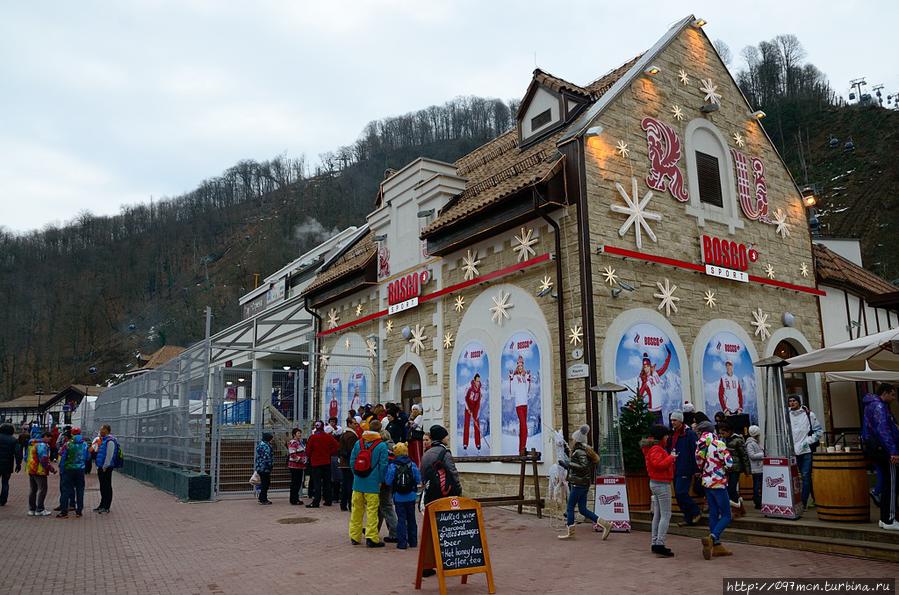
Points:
(702, 135)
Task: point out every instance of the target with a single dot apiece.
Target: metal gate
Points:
(245, 403)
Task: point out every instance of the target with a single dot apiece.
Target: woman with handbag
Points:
(296, 462)
(416, 434)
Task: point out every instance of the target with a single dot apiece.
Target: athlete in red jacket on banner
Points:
(650, 377)
(520, 388)
(472, 407)
(730, 393)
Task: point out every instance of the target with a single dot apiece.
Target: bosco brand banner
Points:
(646, 362)
(611, 502)
(356, 388)
(780, 488)
(522, 399)
(333, 394)
(472, 401)
(728, 377)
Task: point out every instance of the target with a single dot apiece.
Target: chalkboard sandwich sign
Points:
(453, 542)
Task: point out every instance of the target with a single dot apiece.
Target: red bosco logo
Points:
(406, 287)
(727, 253)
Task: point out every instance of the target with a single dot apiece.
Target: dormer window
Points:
(711, 185)
(541, 120)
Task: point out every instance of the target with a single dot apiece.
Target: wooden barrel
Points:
(746, 487)
(840, 486)
(637, 491)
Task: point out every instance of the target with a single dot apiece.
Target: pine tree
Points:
(635, 422)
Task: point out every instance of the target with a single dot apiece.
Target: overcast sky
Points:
(107, 103)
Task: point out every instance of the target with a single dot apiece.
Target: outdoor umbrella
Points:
(868, 375)
(878, 352)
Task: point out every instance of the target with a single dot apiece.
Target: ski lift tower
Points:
(857, 84)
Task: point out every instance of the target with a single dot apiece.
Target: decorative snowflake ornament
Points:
(780, 220)
(609, 275)
(418, 338)
(545, 284)
(711, 91)
(371, 347)
(333, 318)
(738, 139)
(523, 244)
(678, 113)
(575, 335)
(682, 75)
(448, 341)
(459, 304)
(667, 297)
(769, 270)
(324, 358)
(622, 150)
(388, 327)
(710, 299)
(500, 309)
(359, 310)
(346, 343)
(470, 264)
(636, 212)
(761, 324)
(803, 269)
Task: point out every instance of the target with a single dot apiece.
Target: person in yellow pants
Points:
(369, 464)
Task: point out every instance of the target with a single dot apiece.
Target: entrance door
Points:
(795, 383)
(410, 388)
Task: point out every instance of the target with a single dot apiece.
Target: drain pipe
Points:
(313, 358)
(560, 305)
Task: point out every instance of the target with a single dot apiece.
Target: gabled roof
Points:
(557, 84)
(353, 260)
(833, 269)
(161, 356)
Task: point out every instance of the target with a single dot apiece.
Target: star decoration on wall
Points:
(636, 212)
(621, 149)
(470, 264)
(761, 324)
(667, 297)
(523, 244)
(575, 335)
(418, 338)
(780, 219)
(711, 91)
(388, 327)
(682, 75)
(609, 275)
(324, 358)
(448, 341)
(678, 113)
(803, 269)
(333, 318)
(738, 139)
(459, 304)
(769, 270)
(346, 343)
(359, 310)
(371, 347)
(545, 284)
(501, 306)
(710, 299)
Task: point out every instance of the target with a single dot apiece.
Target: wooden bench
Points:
(532, 457)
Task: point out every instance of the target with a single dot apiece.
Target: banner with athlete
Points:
(522, 399)
(472, 401)
(646, 362)
(728, 377)
(333, 395)
(356, 388)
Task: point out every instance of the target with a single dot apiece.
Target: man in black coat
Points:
(10, 458)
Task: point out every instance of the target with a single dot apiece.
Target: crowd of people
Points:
(63, 453)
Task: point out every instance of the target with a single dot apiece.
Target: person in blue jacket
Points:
(107, 459)
(263, 463)
(369, 472)
(880, 436)
(683, 441)
(404, 477)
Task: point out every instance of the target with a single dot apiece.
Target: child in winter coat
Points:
(403, 477)
(581, 475)
(756, 455)
(737, 448)
(714, 461)
(660, 468)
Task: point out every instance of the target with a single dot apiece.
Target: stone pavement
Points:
(151, 543)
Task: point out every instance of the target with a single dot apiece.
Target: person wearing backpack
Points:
(403, 478)
(369, 464)
(108, 458)
(438, 470)
(72, 457)
(386, 512)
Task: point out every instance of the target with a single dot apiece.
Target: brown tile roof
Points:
(500, 168)
(831, 268)
(26, 402)
(354, 259)
(161, 356)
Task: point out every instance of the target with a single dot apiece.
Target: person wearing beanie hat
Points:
(438, 434)
(714, 460)
(263, 464)
(756, 455)
(582, 474)
(683, 442)
(320, 447)
(439, 474)
(403, 478)
(386, 509)
(368, 460)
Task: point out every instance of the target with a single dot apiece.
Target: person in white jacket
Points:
(756, 455)
(806, 432)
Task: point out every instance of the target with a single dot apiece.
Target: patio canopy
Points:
(868, 375)
(872, 353)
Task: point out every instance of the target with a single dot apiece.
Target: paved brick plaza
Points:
(151, 543)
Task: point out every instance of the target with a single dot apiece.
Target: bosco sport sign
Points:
(403, 293)
(727, 259)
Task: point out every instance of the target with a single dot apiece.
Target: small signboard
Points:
(724, 273)
(611, 502)
(578, 371)
(453, 542)
(400, 306)
(780, 488)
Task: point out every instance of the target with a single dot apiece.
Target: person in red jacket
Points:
(660, 468)
(472, 407)
(320, 447)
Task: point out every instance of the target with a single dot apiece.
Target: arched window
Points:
(710, 176)
(410, 388)
(795, 383)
